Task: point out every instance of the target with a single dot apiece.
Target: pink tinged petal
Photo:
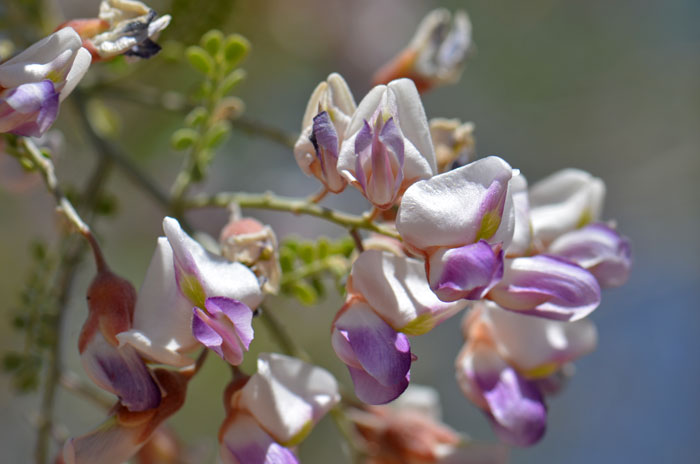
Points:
(466, 272)
(537, 346)
(162, 327)
(225, 328)
(378, 357)
(449, 209)
(121, 371)
(397, 289)
(244, 442)
(514, 405)
(108, 444)
(287, 396)
(565, 201)
(363, 150)
(201, 274)
(29, 109)
(599, 249)
(547, 286)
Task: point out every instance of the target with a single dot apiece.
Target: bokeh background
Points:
(609, 87)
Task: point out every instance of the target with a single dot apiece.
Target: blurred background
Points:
(609, 87)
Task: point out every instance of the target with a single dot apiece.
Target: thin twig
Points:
(71, 382)
(357, 238)
(292, 205)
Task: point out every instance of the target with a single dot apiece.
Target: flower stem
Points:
(292, 205)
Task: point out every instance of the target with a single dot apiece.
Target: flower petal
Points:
(226, 328)
(436, 212)
(547, 286)
(287, 396)
(244, 442)
(396, 287)
(465, 272)
(29, 109)
(120, 370)
(367, 343)
(564, 201)
(514, 405)
(599, 249)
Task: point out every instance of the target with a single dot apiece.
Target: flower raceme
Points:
(33, 83)
(323, 127)
(190, 296)
(274, 409)
(388, 299)
(387, 145)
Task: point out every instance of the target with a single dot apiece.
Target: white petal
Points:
(287, 395)
(412, 119)
(51, 54)
(364, 111)
(533, 342)
(342, 96)
(522, 229)
(397, 289)
(162, 327)
(565, 201)
(444, 210)
(80, 65)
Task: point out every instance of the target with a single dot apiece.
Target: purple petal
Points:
(370, 391)
(121, 371)
(363, 143)
(243, 441)
(599, 249)
(324, 138)
(364, 341)
(547, 286)
(29, 109)
(226, 328)
(465, 272)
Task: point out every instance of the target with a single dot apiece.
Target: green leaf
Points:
(196, 117)
(231, 81)
(200, 59)
(305, 293)
(211, 41)
(235, 49)
(12, 361)
(217, 134)
(306, 252)
(184, 138)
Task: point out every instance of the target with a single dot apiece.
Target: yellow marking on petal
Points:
(192, 289)
(55, 76)
(299, 437)
(489, 225)
(419, 326)
(541, 371)
(585, 219)
(386, 114)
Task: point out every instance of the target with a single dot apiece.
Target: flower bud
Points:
(436, 54)
(454, 142)
(326, 119)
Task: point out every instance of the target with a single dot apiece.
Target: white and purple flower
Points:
(461, 221)
(190, 296)
(387, 144)
(33, 83)
(326, 119)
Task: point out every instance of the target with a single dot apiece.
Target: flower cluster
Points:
(474, 233)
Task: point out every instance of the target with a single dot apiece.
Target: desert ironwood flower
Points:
(274, 409)
(323, 127)
(505, 360)
(460, 222)
(387, 145)
(388, 299)
(436, 54)
(190, 296)
(33, 83)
